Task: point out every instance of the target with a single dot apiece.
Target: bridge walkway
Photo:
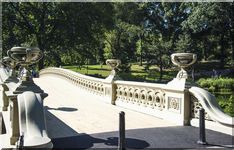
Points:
(78, 119)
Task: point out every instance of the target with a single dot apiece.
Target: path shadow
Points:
(129, 143)
(56, 127)
(175, 137)
(85, 141)
(63, 137)
(69, 109)
(82, 141)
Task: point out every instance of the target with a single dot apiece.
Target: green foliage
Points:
(210, 27)
(223, 88)
(89, 33)
(227, 105)
(58, 29)
(217, 84)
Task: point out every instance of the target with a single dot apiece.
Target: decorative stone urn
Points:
(183, 60)
(10, 65)
(113, 63)
(6, 61)
(25, 56)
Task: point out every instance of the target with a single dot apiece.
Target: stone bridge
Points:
(82, 112)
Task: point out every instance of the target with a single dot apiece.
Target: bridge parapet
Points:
(158, 100)
(22, 101)
(155, 99)
(91, 84)
(96, 86)
(177, 101)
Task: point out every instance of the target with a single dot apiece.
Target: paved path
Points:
(87, 113)
(78, 119)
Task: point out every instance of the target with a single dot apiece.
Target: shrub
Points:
(217, 84)
(227, 105)
(223, 88)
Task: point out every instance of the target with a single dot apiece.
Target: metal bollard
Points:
(121, 142)
(202, 130)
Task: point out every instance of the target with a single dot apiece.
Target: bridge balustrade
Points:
(175, 101)
(22, 102)
(96, 86)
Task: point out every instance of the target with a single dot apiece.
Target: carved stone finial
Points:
(113, 63)
(25, 56)
(183, 60)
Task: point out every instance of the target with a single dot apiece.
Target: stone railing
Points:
(141, 94)
(204, 99)
(91, 84)
(177, 101)
(96, 86)
(155, 99)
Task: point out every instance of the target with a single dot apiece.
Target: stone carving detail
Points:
(147, 97)
(174, 103)
(195, 106)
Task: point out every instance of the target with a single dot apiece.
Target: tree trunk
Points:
(41, 36)
(42, 48)
(222, 51)
(141, 38)
(232, 43)
(161, 69)
(204, 52)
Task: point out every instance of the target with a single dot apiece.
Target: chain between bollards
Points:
(202, 128)
(121, 142)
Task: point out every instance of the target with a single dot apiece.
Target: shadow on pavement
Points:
(69, 109)
(185, 137)
(82, 141)
(85, 141)
(130, 143)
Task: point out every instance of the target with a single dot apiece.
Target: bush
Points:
(227, 105)
(223, 88)
(217, 84)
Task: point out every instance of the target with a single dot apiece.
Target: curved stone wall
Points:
(178, 104)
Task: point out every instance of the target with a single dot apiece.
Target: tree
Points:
(210, 24)
(57, 27)
(164, 24)
(120, 42)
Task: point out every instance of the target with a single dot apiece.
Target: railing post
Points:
(4, 98)
(121, 143)
(202, 132)
(111, 87)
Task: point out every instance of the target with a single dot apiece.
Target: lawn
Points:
(138, 73)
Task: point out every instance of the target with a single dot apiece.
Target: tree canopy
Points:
(89, 33)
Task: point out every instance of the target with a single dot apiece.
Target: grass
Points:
(101, 70)
(138, 73)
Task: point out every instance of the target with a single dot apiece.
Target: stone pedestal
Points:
(13, 117)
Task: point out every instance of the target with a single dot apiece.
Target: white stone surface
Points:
(90, 115)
